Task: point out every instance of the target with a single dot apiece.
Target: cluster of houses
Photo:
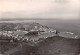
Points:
(24, 34)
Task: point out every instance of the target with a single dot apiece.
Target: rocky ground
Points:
(51, 46)
(59, 46)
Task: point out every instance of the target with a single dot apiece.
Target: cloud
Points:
(39, 8)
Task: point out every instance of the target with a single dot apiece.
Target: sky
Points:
(59, 9)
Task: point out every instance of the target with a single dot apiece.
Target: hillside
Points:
(18, 26)
(52, 46)
(59, 46)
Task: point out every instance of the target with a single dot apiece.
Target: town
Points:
(25, 34)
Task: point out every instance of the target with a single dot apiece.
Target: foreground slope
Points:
(59, 46)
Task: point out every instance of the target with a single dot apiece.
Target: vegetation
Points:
(17, 26)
